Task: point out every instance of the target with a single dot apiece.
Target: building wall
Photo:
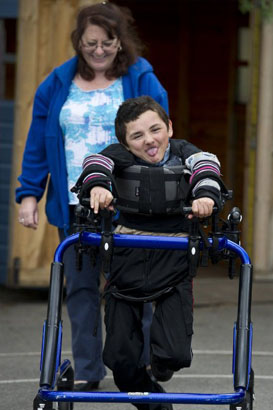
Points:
(8, 16)
(193, 46)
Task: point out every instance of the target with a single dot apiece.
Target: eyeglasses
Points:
(106, 45)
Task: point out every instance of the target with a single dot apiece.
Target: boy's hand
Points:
(100, 198)
(202, 208)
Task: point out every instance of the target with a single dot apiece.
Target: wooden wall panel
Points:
(44, 29)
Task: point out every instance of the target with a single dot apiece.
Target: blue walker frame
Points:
(52, 368)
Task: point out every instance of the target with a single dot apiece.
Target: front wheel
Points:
(39, 404)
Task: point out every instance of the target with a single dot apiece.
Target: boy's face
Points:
(147, 137)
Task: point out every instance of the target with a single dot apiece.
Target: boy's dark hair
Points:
(117, 22)
(131, 109)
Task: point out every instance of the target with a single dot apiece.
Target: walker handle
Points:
(86, 203)
(188, 209)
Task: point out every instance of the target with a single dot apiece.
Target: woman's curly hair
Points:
(117, 22)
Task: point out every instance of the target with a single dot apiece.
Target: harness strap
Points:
(193, 249)
(157, 190)
(207, 245)
(124, 204)
(149, 298)
(144, 193)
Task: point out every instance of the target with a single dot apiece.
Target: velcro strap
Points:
(144, 191)
(193, 255)
(157, 190)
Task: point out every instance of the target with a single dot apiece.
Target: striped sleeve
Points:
(96, 168)
(205, 173)
(98, 159)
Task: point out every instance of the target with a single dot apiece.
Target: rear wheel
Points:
(66, 383)
(62, 405)
(247, 403)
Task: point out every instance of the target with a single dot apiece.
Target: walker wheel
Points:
(40, 404)
(62, 405)
(247, 403)
(66, 383)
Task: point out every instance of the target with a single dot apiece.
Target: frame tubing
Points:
(143, 241)
(52, 326)
(116, 397)
(243, 329)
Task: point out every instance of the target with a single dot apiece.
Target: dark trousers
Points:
(83, 305)
(170, 337)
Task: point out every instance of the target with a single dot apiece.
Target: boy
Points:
(145, 164)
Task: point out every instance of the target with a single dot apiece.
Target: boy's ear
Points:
(170, 130)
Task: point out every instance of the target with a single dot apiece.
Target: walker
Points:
(56, 377)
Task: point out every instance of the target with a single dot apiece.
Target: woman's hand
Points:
(202, 208)
(28, 212)
(100, 198)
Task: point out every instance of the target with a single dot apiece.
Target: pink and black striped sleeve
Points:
(97, 171)
(205, 177)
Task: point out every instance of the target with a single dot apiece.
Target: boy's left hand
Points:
(100, 198)
(202, 208)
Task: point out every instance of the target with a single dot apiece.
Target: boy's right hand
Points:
(100, 198)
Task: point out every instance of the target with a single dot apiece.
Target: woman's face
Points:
(97, 49)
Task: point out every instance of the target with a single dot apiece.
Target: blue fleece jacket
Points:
(44, 154)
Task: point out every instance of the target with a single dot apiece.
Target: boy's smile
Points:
(148, 137)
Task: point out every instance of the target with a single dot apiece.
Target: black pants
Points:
(171, 334)
(83, 305)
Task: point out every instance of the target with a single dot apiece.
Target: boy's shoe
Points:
(161, 373)
(86, 386)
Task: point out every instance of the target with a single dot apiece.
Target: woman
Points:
(73, 115)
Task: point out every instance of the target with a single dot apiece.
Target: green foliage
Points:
(266, 7)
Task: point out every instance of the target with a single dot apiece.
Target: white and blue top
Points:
(87, 119)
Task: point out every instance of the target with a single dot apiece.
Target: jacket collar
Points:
(139, 67)
(66, 72)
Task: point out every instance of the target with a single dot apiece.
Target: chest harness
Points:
(152, 190)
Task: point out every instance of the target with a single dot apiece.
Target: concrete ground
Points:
(22, 313)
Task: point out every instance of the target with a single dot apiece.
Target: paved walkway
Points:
(22, 313)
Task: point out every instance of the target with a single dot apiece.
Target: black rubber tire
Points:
(37, 401)
(65, 405)
(66, 383)
(247, 404)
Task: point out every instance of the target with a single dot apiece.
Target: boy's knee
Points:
(181, 358)
(185, 360)
(177, 360)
